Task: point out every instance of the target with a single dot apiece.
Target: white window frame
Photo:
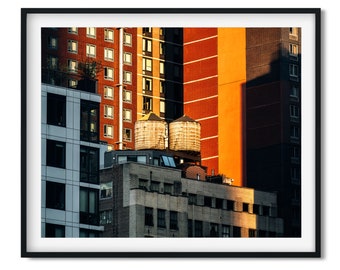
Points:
(72, 46)
(109, 73)
(109, 54)
(53, 62)
(127, 96)
(147, 45)
(293, 70)
(162, 106)
(293, 49)
(127, 39)
(294, 92)
(72, 65)
(295, 132)
(72, 30)
(147, 81)
(127, 115)
(108, 35)
(91, 32)
(108, 131)
(147, 64)
(294, 111)
(127, 58)
(108, 111)
(52, 42)
(125, 138)
(108, 92)
(161, 68)
(90, 50)
(127, 77)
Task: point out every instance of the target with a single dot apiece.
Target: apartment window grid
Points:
(106, 190)
(72, 46)
(72, 30)
(90, 50)
(147, 84)
(52, 43)
(293, 49)
(55, 195)
(108, 131)
(127, 77)
(91, 32)
(294, 92)
(72, 83)
(108, 35)
(89, 165)
(89, 206)
(127, 134)
(56, 154)
(148, 216)
(147, 64)
(294, 111)
(56, 110)
(127, 96)
(72, 66)
(108, 73)
(127, 58)
(106, 217)
(54, 230)
(293, 70)
(127, 39)
(162, 106)
(147, 46)
(173, 220)
(127, 115)
(108, 111)
(52, 62)
(108, 92)
(225, 231)
(89, 121)
(109, 54)
(161, 68)
(295, 132)
(161, 223)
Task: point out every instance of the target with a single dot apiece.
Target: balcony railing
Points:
(64, 79)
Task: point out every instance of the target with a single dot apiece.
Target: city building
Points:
(71, 156)
(145, 194)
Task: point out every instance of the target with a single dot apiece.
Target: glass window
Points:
(89, 164)
(105, 217)
(214, 230)
(147, 45)
(127, 134)
(108, 54)
(127, 75)
(54, 230)
(108, 111)
(89, 121)
(127, 96)
(52, 42)
(108, 35)
(161, 218)
(55, 195)
(72, 46)
(198, 228)
(127, 39)
(173, 220)
(55, 153)
(106, 190)
(91, 32)
(73, 30)
(148, 216)
(147, 64)
(72, 65)
(56, 110)
(225, 231)
(147, 84)
(127, 116)
(108, 92)
(127, 58)
(90, 50)
(88, 206)
(108, 73)
(108, 131)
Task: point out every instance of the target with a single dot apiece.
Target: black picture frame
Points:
(28, 248)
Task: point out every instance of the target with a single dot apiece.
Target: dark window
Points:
(207, 201)
(225, 231)
(219, 203)
(88, 206)
(55, 195)
(53, 230)
(245, 207)
(154, 186)
(236, 231)
(198, 228)
(252, 233)
(230, 205)
(173, 220)
(213, 230)
(55, 153)
(256, 209)
(89, 165)
(192, 198)
(190, 228)
(161, 218)
(89, 121)
(167, 188)
(56, 110)
(88, 233)
(148, 219)
(265, 210)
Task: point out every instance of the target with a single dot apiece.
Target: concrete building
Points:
(144, 194)
(70, 160)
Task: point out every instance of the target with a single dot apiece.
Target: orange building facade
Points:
(214, 73)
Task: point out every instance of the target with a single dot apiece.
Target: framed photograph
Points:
(171, 132)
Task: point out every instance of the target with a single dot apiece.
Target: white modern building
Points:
(70, 160)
